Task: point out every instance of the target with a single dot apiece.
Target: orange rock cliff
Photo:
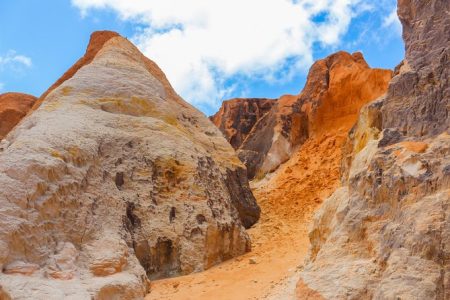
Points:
(13, 107)
(336, 88)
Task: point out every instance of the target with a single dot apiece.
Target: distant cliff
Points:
(336, 88)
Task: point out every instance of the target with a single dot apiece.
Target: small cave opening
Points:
(200, 219)
(160, 260)
(172, 214)
(119, 180)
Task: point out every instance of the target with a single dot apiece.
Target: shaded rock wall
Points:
(237, 117)
(417, 102)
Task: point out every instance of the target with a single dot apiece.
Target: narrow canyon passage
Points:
(288, 199)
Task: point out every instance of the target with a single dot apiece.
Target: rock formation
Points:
(288, 196)
(13, 107)
(113, 179)
(237, 117)
(336, 88)
(386, 233)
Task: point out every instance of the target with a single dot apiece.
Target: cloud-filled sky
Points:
(210, 50)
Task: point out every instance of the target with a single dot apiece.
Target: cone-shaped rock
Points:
(113, 178)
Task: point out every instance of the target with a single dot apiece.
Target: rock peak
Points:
(96, 42)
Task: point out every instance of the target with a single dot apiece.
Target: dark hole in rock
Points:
(131, 216)
(119, 180)
(200, 219)
(159, 261)
(172, 214)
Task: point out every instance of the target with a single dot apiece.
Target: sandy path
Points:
(276, 261)
(288, 199)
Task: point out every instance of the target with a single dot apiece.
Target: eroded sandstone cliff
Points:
(336, 88)
(386, 233)
(114, 179)
(13, 107)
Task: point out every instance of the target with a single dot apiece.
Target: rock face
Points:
(386, 233)
(13, 107)
(237, 117)
(425, 71)
(113, 179)
(336, 88)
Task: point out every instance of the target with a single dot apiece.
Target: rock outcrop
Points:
(336, 88)
(114, 179)
(386, 233)
(13, 107)
(237, 117)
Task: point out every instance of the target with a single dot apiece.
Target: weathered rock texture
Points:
(386, 233)
(113, 179)
(13, 107)
(336, 88)
(237, 117)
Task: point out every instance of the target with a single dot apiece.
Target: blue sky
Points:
(210, 51)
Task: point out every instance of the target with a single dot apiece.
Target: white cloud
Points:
(202, 44)
(14, 61)
(392, 21)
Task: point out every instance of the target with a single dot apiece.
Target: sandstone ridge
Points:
(290, 194)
